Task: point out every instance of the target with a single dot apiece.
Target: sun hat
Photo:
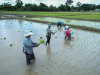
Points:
(49, 24)
(66, 27)
(27, 33)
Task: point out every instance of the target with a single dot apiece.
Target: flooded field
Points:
(70, 21)
(80, 56)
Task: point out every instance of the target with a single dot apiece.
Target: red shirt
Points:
(68, 33)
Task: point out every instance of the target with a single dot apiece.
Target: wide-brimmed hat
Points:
(27, 33)
(49, 24)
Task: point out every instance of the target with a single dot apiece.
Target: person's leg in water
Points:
(48, 40)
(28, 58)
(58, 25)
(33, 56)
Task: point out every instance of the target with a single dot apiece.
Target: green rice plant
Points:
(55, 31)
(42, 69)
(94, 67)
(98, 63)
(30, 31)
(41, 41)
(47, 67)
(55, 61)
(36, 71)
(99, 72)
(89, 71)
(28, 69)
(55, 37)
(80, 60)
(42, 64)
(49, 71)
(18, 31)
(98, 53)
(54, 68)
(67, 72)
(52, 30)
(11, 44)
(70, 68)
(53, 26)
(47, 62)
(50, 64)
(4, 38)
(61, 69)
(76, 69)
(84, 72)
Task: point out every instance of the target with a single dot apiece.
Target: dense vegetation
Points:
(43, 7)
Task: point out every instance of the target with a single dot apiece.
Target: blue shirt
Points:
(28, 45)
(60, 23)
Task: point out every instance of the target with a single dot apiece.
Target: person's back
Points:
(59, 23)
(68, 33)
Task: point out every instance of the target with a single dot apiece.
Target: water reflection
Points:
(48, 50)
(67, 42)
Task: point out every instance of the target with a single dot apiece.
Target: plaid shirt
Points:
(28, 45)
(48, 32)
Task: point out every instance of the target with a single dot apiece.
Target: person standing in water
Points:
(48, 33)
(28, 46)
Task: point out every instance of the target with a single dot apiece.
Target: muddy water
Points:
(80, 56)
(69, 21)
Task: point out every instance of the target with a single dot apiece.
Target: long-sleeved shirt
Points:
(48, 32)
(28, 45)
(60, 23)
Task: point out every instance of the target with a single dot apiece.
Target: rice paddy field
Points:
(80, 56)
(82, 15)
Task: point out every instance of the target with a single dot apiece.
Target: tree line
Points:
(43, 7)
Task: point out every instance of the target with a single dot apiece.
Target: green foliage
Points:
(41, 41)
(11, 44)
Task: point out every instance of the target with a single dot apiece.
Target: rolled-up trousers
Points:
(29, 57)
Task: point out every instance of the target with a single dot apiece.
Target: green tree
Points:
(62, 7)
(69, 2)
(19, 4)
(79, 5)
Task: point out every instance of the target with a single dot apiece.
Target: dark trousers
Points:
(29, 57)
(58, 24)
(48, 39)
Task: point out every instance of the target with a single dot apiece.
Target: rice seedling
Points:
(52, 30)
(36, 71)
(30, 31)
(67, 72)
(76, 69)
(42, 64)
(54, 68)
(47, 67)
(98, 63)
(55, 61)
(42, 69)
(61, 69)
(28, 69)
(5, 25)
(55, 37)
(47, 62)
(18, 31)
(11, 44)
(55, 31)
(49, 71)
(4, 38)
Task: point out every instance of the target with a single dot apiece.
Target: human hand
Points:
(38, 44)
